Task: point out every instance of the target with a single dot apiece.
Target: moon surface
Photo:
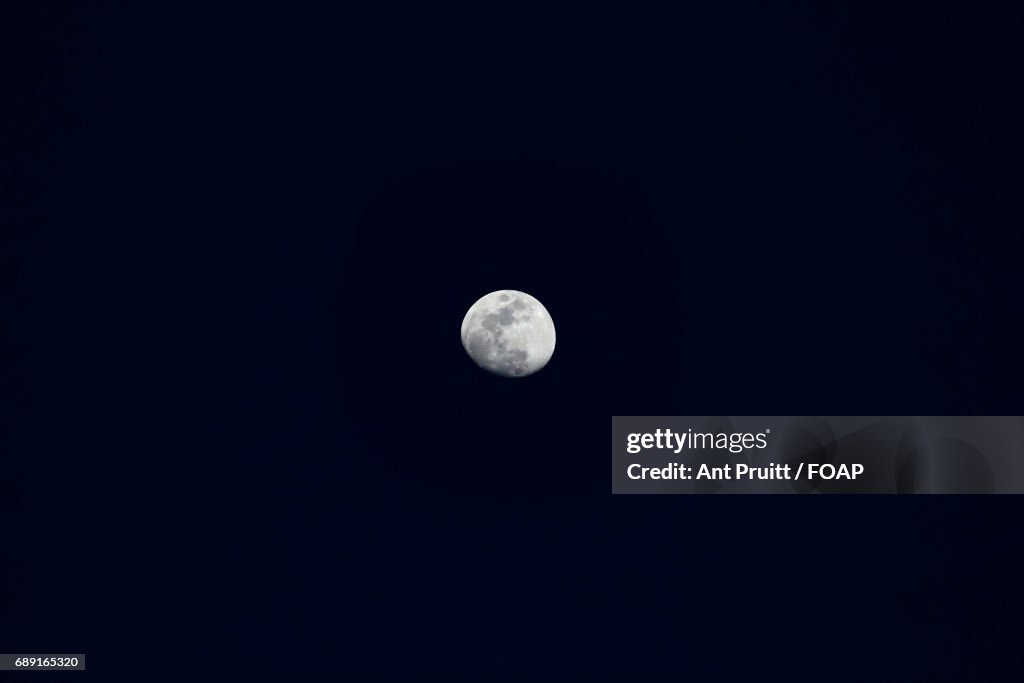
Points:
(509, 333)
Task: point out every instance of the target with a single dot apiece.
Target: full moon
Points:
(509, 333)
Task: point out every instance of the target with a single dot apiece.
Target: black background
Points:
(240, 435)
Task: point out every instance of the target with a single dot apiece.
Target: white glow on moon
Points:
(509, 333)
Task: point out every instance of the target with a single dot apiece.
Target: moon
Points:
(509, 333)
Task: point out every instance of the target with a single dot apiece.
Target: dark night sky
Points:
(240, 433)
